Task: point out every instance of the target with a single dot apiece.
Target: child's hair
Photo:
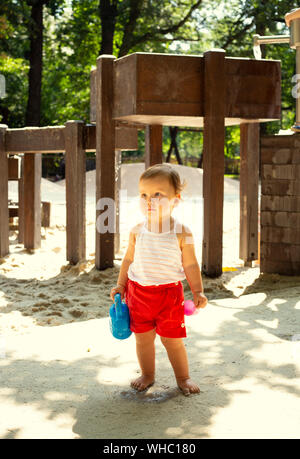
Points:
(165, 170)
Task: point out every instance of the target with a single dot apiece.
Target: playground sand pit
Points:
(64, 376)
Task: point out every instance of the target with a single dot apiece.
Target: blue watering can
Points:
(119, 319)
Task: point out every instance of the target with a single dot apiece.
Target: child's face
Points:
(157, 197)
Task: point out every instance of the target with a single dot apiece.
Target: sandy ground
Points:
(64, 376)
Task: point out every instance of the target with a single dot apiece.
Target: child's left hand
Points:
(200, 300)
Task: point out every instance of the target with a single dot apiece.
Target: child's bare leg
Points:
(146, 356)
(179, 361)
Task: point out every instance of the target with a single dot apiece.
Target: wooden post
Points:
(249, 171)
(32, 200)
(105, 163)
(4, 226)
(118, 163)
(213, 161)
(46, 211)
(75, 191)
(153, 145)
(21, 204)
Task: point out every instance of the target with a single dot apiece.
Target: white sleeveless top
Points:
(157, 258)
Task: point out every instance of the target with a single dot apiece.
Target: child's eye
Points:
(157, 194)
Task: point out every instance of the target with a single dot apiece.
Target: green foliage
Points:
(15, 72)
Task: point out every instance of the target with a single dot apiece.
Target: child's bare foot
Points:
(142, 383)
(187, 386)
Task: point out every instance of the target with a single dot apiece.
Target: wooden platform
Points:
(168, 89)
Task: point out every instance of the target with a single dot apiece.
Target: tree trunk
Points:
(173, 133)
(135, 10)
(108, 16)
(260, 29)
(33, 110)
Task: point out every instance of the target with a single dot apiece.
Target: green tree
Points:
(22, 45)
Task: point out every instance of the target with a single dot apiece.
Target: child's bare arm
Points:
(190, 263)
(128, 259)
(192, 269)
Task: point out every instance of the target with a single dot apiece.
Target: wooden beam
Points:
(126, 138)
(4, 224)
(249, 172)
(213, 161)
(51, 139)
(75, 191)
(32, 200)
(48, 139)
(153, 145)
(168, 90)
(13, 168)
(105, 164)
(93, 96)
(46, 209)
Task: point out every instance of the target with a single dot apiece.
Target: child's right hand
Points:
(118, 289)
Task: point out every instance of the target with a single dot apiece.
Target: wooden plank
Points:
(170, 85)
(280, 187)
(249, 175)
(46, 207)
(282, 171)
(48, 139)
(153, 145)
(13, 168)
(46, 213)
(51, 139)
(280, 141)
(32, 200)
(126, 138)
(280, 219)
(280, 251)
(213, 162)
(75, 191)
(280, 203)
(164, 89)
(105, 164)
(125, 86)
(4, 222)
(253, 88)
(93, 96)
(280, 235)
(186, 121)
(276, 155)
(280, 267)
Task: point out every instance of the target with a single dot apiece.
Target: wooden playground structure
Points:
(148, 91)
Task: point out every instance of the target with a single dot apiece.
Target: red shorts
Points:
(156, 306)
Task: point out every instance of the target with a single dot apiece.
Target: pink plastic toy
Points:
(190, 308)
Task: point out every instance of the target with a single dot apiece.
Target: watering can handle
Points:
(118, 306)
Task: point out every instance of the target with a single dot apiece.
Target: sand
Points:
(64, 376)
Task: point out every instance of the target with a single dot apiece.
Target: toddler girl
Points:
(159, 256)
